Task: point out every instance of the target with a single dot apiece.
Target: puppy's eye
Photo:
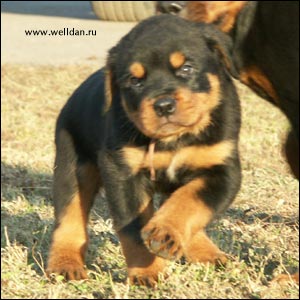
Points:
(185, 71)
(136, 82)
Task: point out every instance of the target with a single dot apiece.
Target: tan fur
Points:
(213, 11)
(143, 266)
(192, 157)
(137, 70)
(201, 249)
(177, 59)
(252, 75)
(285, 278)
(69, 243)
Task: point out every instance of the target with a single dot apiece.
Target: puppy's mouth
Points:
(170, 126)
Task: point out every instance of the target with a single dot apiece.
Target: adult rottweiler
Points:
(265, 36)
(162, 117)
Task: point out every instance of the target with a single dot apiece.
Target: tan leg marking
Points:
(143, 266)
(177, 221)
(69, 243)
(70, 238)
(202, 249)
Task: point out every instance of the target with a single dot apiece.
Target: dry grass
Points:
(260, 231)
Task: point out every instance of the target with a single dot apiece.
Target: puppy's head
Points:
(168, 74)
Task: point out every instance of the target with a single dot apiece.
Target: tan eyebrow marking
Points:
(177, 59)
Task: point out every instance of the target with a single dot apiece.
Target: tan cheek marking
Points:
(148, 120)
(177, 59)
(204, 102)
(137, 70)
(200, 157)
(208, 102)
(213, 98)
(200, 103)
(145, 119)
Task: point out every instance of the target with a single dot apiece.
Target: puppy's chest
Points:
(168, 163)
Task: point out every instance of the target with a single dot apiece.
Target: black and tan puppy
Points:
(163, 117)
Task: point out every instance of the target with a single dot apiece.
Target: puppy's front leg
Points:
(177, 228)
(130, 202)
(177, 221)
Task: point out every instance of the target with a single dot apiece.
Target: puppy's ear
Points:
(110, 83)
(222, 44)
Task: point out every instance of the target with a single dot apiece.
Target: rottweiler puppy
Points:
(163, 117)
(265, 36)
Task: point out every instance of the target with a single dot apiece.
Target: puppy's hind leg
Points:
(75, 187)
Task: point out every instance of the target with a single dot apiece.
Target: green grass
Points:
(259, 231)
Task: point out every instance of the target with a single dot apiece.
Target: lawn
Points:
(260, 231)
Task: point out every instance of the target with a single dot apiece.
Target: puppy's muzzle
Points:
(165, 107)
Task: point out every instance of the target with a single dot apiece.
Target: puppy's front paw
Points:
(68, 265)
(163, 240)
(149, 275)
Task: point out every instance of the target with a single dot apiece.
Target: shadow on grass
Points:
(247, 246)
(250, 216)
(19, 180)
(26, 217)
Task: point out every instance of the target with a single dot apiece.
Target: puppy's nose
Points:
(165, 107)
